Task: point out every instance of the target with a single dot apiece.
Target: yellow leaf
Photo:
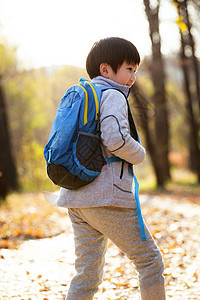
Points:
(4, 244)
(119, 269)
(180, 18)
(175, 3)
(182, 26)
(16, 232)
(108, 278)
(29, 230)
(39, 232)
(119, 284)
(45, 289)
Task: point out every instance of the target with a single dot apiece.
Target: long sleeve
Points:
(115, 131)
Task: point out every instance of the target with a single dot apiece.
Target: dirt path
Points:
(41, 269)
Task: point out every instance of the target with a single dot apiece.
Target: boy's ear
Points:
(104, 69)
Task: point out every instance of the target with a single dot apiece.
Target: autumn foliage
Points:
(28, 216)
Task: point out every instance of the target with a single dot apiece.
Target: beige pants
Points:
(92, 228)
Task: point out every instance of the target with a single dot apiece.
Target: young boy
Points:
(107, 208)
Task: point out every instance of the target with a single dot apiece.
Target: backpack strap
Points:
(138, 206)
(96, 95)
(96, 99)
(86, 105)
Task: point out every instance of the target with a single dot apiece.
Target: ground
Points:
(37, 254)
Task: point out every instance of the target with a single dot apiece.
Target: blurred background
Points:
(43, 48)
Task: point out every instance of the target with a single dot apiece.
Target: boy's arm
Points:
(115, 132)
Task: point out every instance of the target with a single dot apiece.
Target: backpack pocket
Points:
(84, 165)
(88, 153)
(61, 177)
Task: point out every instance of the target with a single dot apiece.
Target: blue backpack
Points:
(73, 152)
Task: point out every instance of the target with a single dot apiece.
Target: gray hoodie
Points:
(114, 185)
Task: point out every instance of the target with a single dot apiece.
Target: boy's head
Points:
(112, 51)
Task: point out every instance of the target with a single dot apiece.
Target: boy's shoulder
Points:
(114, 95)
(113, 102)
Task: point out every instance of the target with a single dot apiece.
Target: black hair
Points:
(114, 51)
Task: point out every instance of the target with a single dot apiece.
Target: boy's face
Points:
(125, 74)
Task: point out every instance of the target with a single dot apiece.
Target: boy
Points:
(106, 208)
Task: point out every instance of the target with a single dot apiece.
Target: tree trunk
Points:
(191, 97)
(161, 143)
(8, 175)
(142, 106)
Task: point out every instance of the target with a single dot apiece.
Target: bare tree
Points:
(190, 67)
(145, 115)
(158, 140)
(8, 174)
